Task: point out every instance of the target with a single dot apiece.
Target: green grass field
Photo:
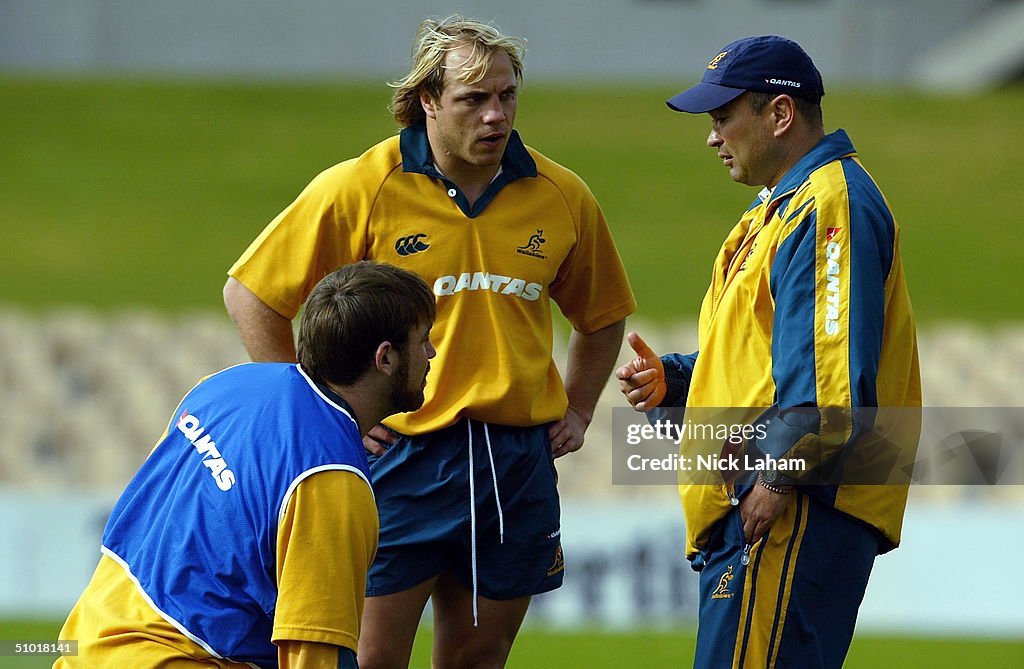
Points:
(536, 649)
(116, 193)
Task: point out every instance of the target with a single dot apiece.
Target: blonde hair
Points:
(434, 40)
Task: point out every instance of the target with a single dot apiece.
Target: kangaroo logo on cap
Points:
(713, 65)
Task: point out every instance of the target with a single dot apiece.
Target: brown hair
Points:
(352, 310)
(811, 111)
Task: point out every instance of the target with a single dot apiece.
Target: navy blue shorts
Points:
(422, 487)
(794, 605)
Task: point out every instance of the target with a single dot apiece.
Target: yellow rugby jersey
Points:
(536, 234)
(321, 573)
(808, 307)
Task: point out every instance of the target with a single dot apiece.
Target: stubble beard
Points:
(403, 396)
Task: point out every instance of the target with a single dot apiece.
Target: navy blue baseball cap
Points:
(766, 64)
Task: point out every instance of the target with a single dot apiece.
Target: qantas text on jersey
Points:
(496, 283)
(190, 427)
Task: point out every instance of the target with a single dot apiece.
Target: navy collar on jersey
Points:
(337, 399)
(516, 163)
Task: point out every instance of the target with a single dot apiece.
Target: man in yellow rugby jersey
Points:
(466, 486)
(808, 325)
(245, 537)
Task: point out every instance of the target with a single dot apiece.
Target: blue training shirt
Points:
(197, 526)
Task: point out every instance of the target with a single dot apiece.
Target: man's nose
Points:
(494, 112)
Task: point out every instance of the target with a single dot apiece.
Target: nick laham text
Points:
(712, 463)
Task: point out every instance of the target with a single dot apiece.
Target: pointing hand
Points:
(642, 379)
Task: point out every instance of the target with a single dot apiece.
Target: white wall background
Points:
(851, 40)
(954, 575)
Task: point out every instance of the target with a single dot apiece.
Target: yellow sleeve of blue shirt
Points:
(325, 544)
(309, 655)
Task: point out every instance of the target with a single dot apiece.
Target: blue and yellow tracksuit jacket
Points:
(808, 307)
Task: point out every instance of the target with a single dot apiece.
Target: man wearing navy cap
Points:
(808, 323)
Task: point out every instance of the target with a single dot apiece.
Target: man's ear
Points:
(783, 110)
(386, 358)
(428, 103)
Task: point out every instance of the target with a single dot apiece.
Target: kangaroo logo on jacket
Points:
(722, 591)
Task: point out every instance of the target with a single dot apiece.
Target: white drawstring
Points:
(472, 510)
(494, 477)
